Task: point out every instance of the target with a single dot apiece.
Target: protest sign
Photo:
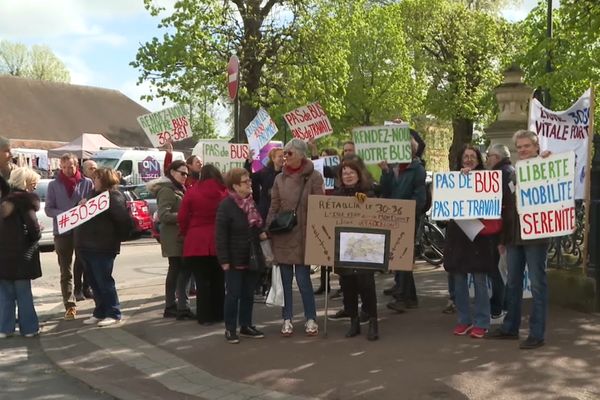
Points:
(477, 194)
(383, 143)
(79, 214)
(330, 161)
(170, 123)
(376, 234)
(562, 131)
(308, 122)
(263, 155)
(545, 195)
(225, 155)
(260, 130)
(319, 165)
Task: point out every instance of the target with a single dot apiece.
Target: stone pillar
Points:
(513, 102)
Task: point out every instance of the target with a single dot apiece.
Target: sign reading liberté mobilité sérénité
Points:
(545, 195)
(456, 195)
(391, 143)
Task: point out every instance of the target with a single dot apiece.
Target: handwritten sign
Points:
(308, 122)
(263, 155)
(546, 195)
(80, 214)
(260, 130)
(562, 131)
(222, 154)
(170, 123)
(395, 218)
(390, 143)
(330, 161)
(477, 194)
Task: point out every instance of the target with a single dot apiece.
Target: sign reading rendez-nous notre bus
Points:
(391, 143)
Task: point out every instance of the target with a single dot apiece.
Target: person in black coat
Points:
(262, 181)
(355, 281)
(98, 241)
(19, 254)
(238, 232)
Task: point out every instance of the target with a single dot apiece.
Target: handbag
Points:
(256, 261)
(285, 221)
(275, 296)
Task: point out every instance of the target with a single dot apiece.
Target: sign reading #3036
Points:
(83, 213)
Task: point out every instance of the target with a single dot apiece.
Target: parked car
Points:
(47, 240)
(138, 209)
(144, 194)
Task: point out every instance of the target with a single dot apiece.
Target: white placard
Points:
(260, 131)
(80, 214)
(222, 154)
(562, 131)
(170, 123)
(545, 195)
(391, 143)
(477, 194)
(308, 122)
(330, 161)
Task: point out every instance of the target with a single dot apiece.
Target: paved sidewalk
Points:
(149, 357)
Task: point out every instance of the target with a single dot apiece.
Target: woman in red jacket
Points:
(197, 218)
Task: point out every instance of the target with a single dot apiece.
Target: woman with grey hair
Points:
(290, 192)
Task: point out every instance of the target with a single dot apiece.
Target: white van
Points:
(136, 166)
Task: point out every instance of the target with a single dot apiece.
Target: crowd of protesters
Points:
(212, 227)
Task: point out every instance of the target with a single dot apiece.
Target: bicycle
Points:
(431, 246)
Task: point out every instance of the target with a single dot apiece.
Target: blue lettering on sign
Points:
(465, 181)
(441, 209)
(457, 209)
(547, 193)
(444, 181)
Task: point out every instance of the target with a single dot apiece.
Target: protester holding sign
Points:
(98, 241)
(478, 257)
(290, 192)
(532, 253)
(355, 281)
(405, 182)
(64, 193)
(19, 254)
(193, 163)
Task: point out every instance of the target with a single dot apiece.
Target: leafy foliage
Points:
(38, 62)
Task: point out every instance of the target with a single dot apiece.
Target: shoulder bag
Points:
(285, 221)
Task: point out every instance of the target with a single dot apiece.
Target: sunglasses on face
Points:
(288, 153)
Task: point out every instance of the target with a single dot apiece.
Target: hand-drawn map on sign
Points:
(377, 232)
(391, 143)
(546, 195)
(170, 123)
(308, 122)
(477, 194)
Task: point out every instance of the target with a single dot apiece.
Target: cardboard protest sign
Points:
(562, 131)
(376, 234)
(545, 195)
(477, 194)
(383, 143)
(225, 155)
(330, 161)
(260, 130)
(263, 155)
(308, 122)
(79, 214)
(170, 123)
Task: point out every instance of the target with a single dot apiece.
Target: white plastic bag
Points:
(275, 297)
(265, 246)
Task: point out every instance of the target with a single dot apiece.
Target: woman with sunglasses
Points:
(169, 191)
(197, 220)
(290, 190)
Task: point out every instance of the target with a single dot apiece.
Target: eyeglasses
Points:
(288, 153)
(184, 174)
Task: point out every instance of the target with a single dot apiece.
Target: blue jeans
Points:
(481, 316)
(451, 290)
(99, 268)
(535, 257)
(18, 292)
(306, 290)
(239, 297)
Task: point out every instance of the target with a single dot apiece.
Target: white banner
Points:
(330, 161)
(562, 131)
(546, 195)
(222, 154)
(170, 123)
(308, 122)
(477, 194)
(260, 131)
(390, 143)
(79, 214)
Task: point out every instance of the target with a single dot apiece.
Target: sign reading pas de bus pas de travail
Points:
(545, 195)
(260, 131)
(389, 143)
(561, 131)
(308, 122)
(170, 123)
(477, 194)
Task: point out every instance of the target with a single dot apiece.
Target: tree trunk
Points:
(462, 133)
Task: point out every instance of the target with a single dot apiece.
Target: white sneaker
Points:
(91, 321)
(31, 335)
(287, 329)
(498, 319)
(3, 335)
(311, 328)
(109, 322)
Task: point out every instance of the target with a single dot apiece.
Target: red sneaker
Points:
(477, 333)
(462, 329)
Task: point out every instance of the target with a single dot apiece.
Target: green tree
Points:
(39, 62)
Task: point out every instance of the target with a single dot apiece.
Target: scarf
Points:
(70, 182)
(248, 207)
(291, 170)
